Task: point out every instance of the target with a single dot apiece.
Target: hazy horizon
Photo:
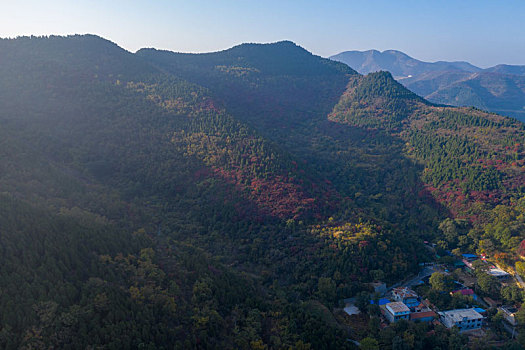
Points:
(484, 33)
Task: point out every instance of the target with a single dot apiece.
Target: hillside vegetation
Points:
(226, 200)
(473, 161)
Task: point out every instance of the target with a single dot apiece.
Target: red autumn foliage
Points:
(521, 248)
(276, 195)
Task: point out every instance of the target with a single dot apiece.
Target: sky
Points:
(483, 32)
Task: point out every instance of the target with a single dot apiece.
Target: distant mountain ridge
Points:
(398, 63)
(499, 89)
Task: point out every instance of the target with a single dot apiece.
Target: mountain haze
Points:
(396, 62)
(499, 89)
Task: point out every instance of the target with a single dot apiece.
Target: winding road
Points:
(518, 278)
(414, 280)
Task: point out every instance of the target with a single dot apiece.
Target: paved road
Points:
(511, 330)
(518, 277)
(414, 281)
(515, 275)
(425, 272)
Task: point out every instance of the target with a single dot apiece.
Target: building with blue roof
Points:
(469, 256)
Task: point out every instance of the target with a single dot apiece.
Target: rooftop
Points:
(423, 314)
(421, 306)
(397, 307)
(497, 273)
(461, 314)
(404, 292)
(470, 256)
(382, 301)
(509, 309)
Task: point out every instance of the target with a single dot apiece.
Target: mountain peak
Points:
(395, 52)
(284, 46)
(282, 57)
(376, 100)
(61, 42)
(398, 63)
(507, 69)
(86, 53)
(383, 84)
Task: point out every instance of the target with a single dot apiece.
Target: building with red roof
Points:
(423, 316)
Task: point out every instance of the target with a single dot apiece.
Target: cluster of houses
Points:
(405, 304)
(402, 303)
(508, 311)
(468, 259)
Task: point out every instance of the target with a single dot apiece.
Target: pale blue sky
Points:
(483, 32)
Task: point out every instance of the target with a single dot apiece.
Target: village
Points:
(459, 295)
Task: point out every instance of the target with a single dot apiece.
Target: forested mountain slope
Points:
(281, 83)
(162, 188)
(155, 181)
(222, 200)
(291, 108)
(493, 91)
(473, 160)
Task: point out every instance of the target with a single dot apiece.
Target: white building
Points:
(396, 311)
(498, 273)
(464, 319)
(509, 314)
